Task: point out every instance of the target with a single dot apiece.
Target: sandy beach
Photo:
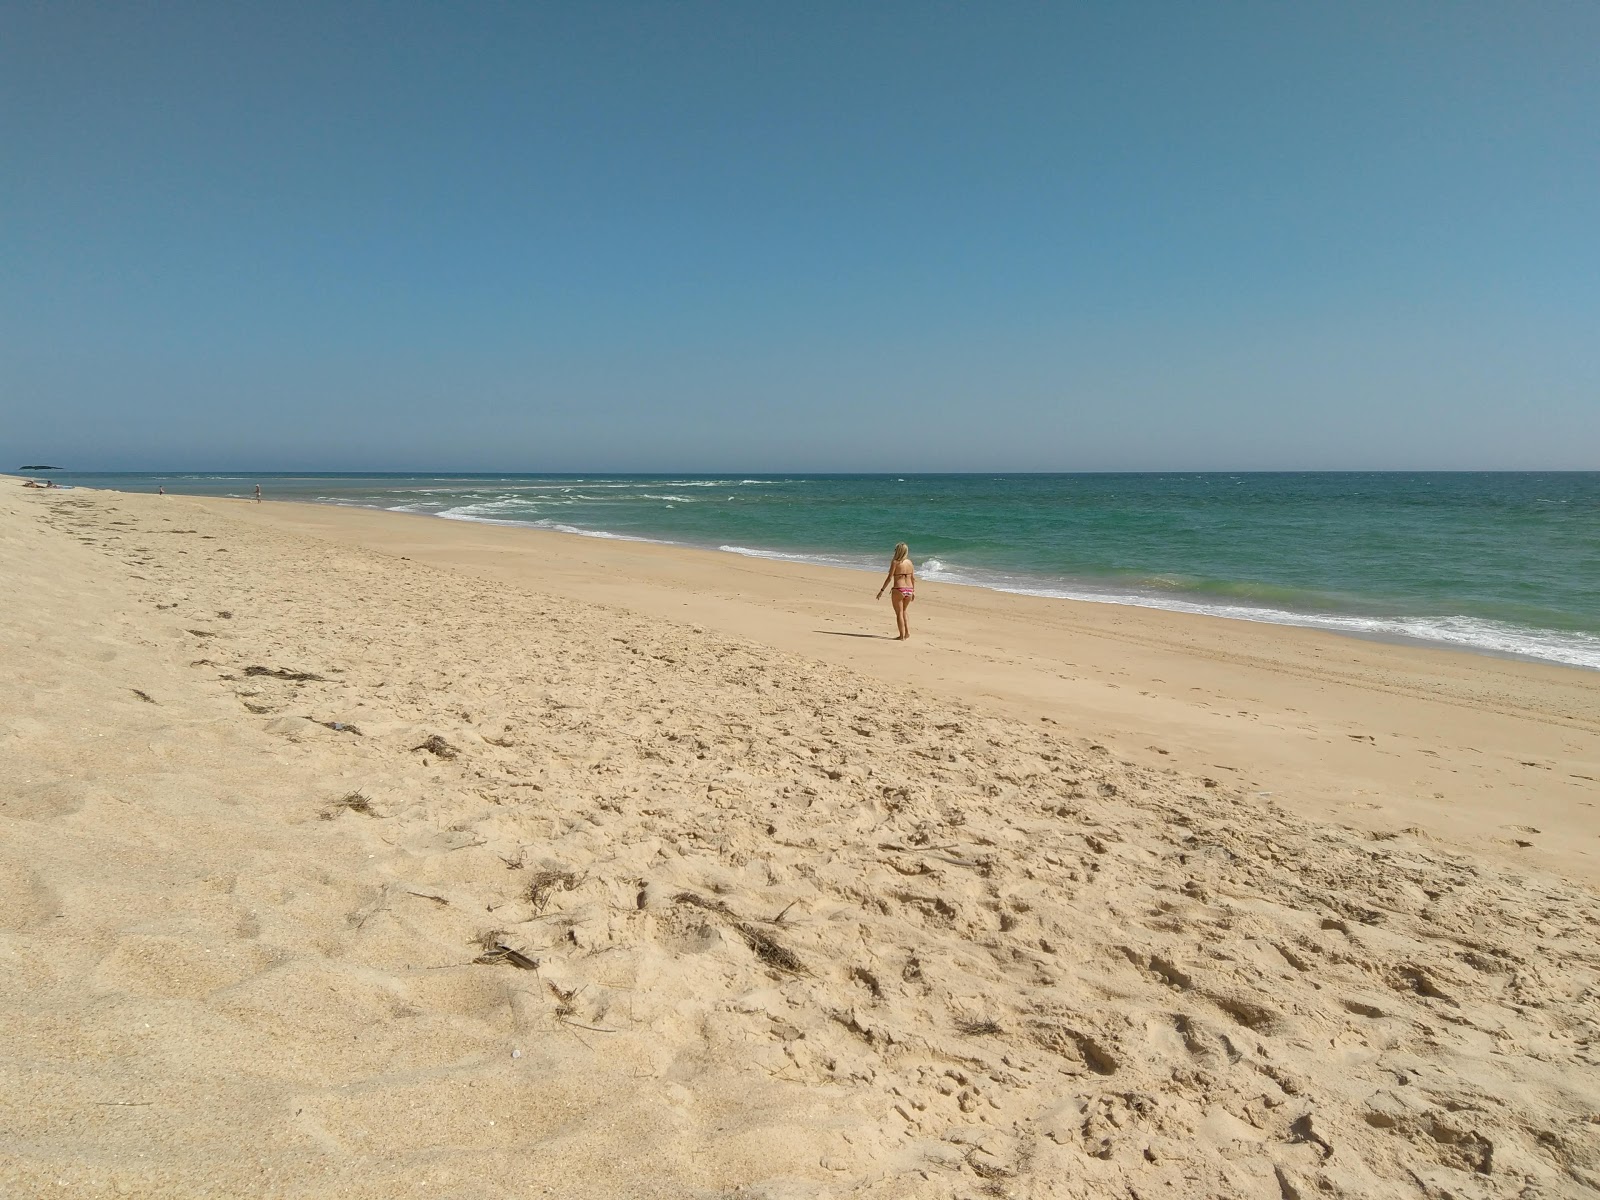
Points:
(367, 854)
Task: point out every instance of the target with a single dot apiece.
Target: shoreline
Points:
(1369, 618)
(1360, 731)
(1318, 621)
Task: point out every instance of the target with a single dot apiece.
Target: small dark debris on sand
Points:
(225, 614)
(766, 947)
(341, 727)
(438, 746)
(546, 883)
(145, 696)
(284, 673)
(716, 906)
(769, 950)
(496, 951)
(981, 1027)
(349, 802)
(564, 999)
(202, 633)
(258, 709)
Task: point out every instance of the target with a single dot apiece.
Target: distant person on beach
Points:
(258, 493)
(161, 489)
(902, 577)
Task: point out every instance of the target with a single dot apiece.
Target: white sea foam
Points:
(605, 534)
(1570, 649)
(456, 516)
(1465, 632)
(1476, 633)
(482, 509)
(854, 562)
(465, 513)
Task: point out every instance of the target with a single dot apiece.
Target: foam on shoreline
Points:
(1455, 631)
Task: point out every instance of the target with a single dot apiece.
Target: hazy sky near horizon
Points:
(765, 236)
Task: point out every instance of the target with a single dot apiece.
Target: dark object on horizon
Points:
(40, 467)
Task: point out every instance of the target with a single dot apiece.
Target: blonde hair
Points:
(900, 551)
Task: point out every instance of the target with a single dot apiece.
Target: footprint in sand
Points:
(25, 899)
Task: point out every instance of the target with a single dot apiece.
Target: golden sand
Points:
(351, 853)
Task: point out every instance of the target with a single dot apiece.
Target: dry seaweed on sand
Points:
(764, 945)
(436, 745)
(979, 1026)
(564, 998)
(698, 901)
(349, 802)
(567, 1007)
(769, 949)
(282, 672)
(546, 883)
(496, 951)
(145, 696)
(341, 727)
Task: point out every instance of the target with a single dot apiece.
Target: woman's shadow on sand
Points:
(881, 637)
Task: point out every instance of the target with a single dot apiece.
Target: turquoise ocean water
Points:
(1498, 562)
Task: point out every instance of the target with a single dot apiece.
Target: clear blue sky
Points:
(777, 236)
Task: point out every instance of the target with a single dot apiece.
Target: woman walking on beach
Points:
(902, 577)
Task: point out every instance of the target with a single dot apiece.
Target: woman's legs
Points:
(901, 603)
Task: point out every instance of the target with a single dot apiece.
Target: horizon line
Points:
(752, 472)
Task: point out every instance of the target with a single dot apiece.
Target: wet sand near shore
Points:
(350, 853)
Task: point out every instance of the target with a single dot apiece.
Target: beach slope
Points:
(327, 870)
